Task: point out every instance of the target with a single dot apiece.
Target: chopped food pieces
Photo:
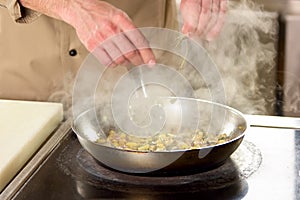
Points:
(164, 141)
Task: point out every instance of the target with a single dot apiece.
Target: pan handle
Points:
(273, 121)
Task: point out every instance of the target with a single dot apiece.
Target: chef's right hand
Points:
(95, 21)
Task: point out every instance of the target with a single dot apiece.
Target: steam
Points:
(245, 54)
(291, 95)
(64, 94)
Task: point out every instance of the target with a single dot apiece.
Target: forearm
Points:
(52, 8)
(94, 22)
(3, 3)
(70, 11)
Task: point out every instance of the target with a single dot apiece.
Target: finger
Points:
(214, 16)
(109, 34)
(127, 49)
(136, 38)
(119, 48)
(103, 57)
(205, 15)
(95, 43)
(215, 31)
(142, 45)
(134, 57)
(114, 52)
(190, 11)
(101, 33)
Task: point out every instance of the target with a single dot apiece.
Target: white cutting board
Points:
(24, 126)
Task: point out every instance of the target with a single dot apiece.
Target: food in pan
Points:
(164, 141)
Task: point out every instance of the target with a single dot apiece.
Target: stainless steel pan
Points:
(212, 117)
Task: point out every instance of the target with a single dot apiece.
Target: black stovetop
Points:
(265, 165)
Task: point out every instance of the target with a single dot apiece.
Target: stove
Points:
(265, 164)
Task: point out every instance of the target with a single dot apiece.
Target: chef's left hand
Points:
(203, 18)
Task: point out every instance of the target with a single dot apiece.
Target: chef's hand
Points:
(203, 18)
(95, 21)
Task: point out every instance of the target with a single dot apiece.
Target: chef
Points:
(44, 42)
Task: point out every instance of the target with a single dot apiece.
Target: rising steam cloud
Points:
(245, 54)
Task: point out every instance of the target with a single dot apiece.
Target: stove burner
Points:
(203, 180)
(89, 175)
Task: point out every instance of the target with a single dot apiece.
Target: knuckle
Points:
(205, 10)
(131, 54)
(141, 43)
(106, 24)
(120, 60)
(206, 6)
(119, 16)
(91, 45)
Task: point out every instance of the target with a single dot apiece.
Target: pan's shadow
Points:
(223, 182)
(235, 191)
(94, 181)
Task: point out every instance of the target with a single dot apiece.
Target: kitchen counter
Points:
(51, 174)
(278, 177)
(23, 131)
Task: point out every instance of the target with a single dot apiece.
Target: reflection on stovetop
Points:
(93, 180)
(235, 191)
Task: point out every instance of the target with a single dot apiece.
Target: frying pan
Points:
(213, 118)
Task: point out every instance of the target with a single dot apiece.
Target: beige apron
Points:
(35, 59)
